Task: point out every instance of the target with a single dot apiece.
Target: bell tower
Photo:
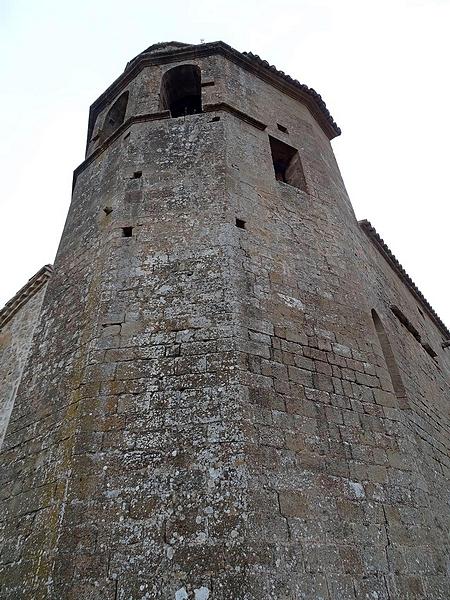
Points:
(207, 410)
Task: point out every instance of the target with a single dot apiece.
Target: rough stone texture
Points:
(206, 411)
(17, 322)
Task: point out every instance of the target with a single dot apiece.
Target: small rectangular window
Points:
(430, 350)
(127, 232)
(406, 323)
(287, 164)
(410, 327)
(137, 174)
(282, 128)
(240, 223)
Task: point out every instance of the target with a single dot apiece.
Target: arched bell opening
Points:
(181, 91)
(115, 116)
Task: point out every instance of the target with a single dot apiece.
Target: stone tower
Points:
(234, 391)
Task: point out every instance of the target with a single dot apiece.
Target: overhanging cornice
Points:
(252, 63)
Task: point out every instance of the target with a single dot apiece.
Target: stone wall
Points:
(207, 411)
(17, 322)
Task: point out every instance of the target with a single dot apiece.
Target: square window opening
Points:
(137, 174)
(127, 232)
(287, 164)
(430, 351)
(240, 223)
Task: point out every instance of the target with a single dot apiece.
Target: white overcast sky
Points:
(380, 65)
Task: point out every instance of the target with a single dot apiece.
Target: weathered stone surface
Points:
(208, 411)
(17, 322)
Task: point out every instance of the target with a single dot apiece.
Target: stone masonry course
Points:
(228, 388)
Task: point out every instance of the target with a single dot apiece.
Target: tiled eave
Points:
(246, 60)
(334, 129)
(385, 251)
(19, 299)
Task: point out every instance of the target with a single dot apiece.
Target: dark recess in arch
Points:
(115, 116)
(181, 91)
